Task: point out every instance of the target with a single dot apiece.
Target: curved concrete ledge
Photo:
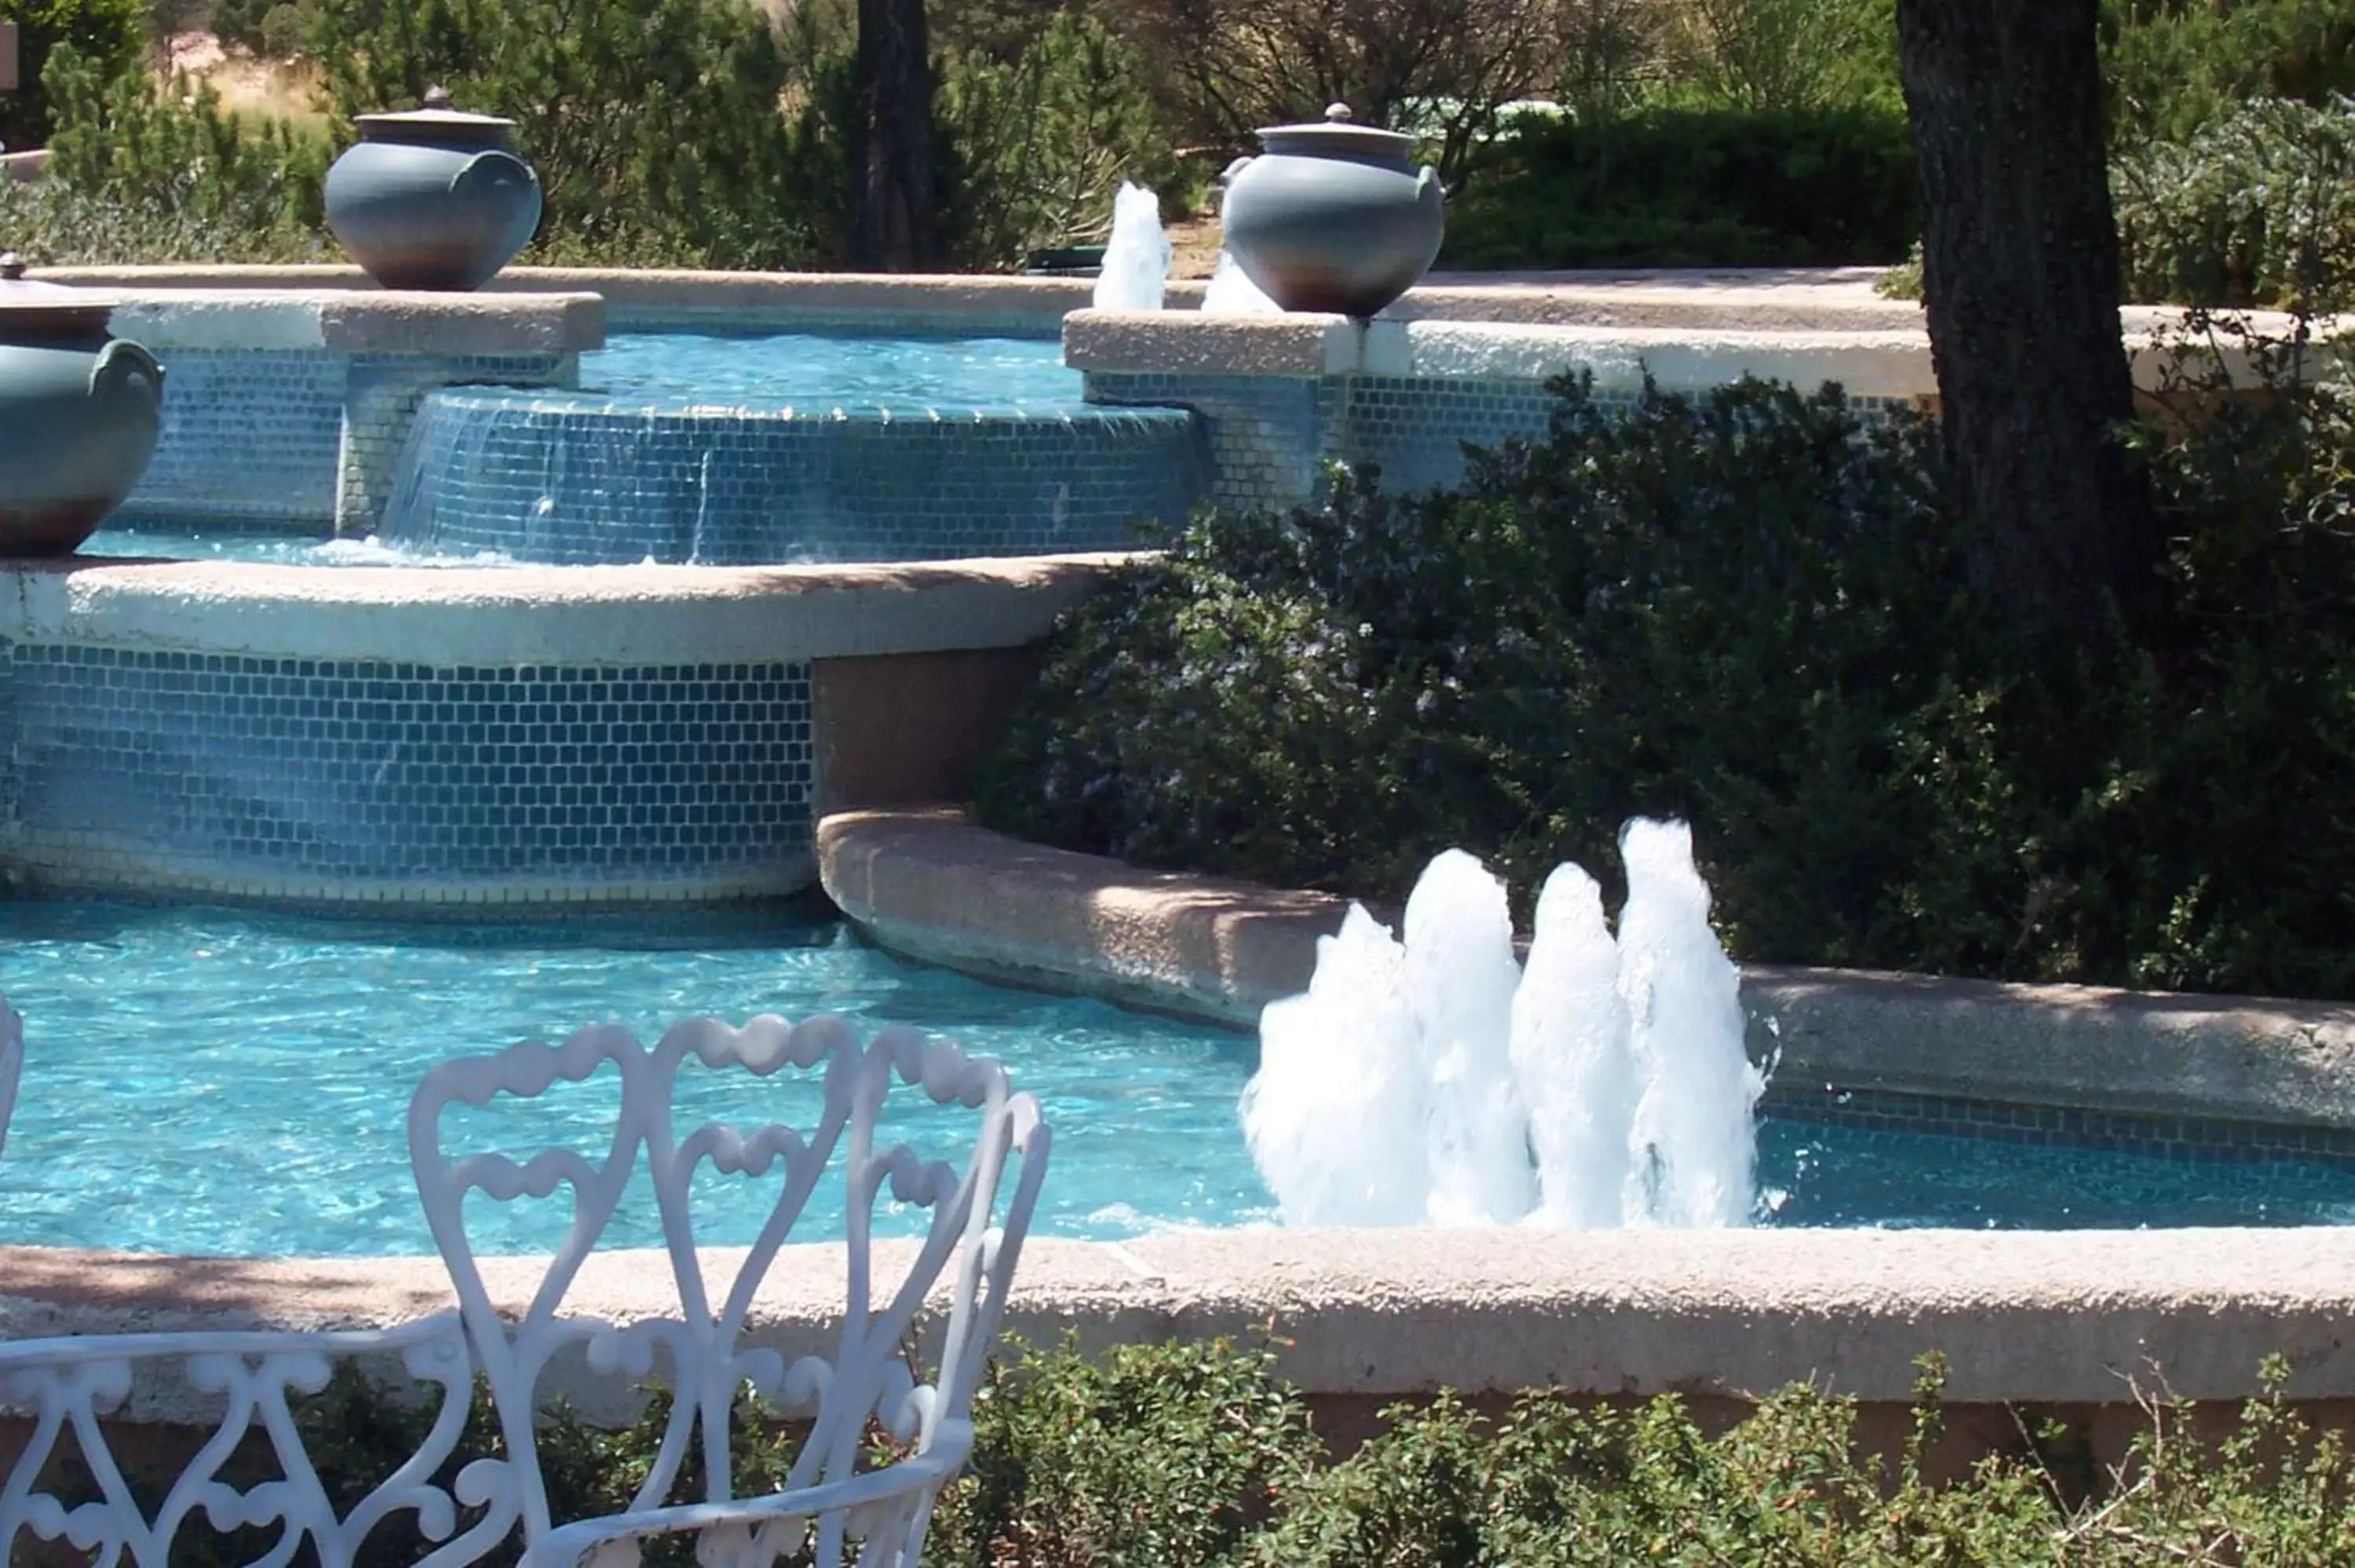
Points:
(681, 297)
(2037, 1317)
(1869, 363)
(593, 615)
(928, 883)
(1772, 299)
(396, 323)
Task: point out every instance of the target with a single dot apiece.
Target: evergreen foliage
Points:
(1198, 1455)
(1752, 608)
(108, 33)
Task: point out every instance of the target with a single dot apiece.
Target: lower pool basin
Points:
(216, 1082)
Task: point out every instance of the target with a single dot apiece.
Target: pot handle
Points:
(1427, 187)
(490, 170)
(124, 363)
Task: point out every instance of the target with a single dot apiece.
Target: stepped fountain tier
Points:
(1436, 1080)
(575, 479)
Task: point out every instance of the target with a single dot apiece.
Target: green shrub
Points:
(2171, 66)
(679, 132)
(1159, 1457)
(2258, 208)
(140, 176)
(1749, 609)
(1044, 139)
(109, 34)
(287, 30)
(1692, 187)
(1771, 55)
(242, 23)
(1195, 1454)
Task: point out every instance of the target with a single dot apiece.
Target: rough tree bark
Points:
(891, 153)
(2020, 274)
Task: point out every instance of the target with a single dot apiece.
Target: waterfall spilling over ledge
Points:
(1435, 1079)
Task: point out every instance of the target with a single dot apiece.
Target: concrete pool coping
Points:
(509, 615)
(377, 322)
(2075, 1317)
(1768, 299)
(928, 883)
(1890, 359)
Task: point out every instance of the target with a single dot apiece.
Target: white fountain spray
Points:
(1135, 272)
(1437, 1082)
(1572, 1059)
(1694, 1134)
(1460, 977)
(1336, 1113)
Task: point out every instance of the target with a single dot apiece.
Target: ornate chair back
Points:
(974, 1222)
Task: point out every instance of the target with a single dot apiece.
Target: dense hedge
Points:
(1198, 1456)
(107, 31)
(1677, 187)
(666, 134)
(1750, 609)
(2255, 207)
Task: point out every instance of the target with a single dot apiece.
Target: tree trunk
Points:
(892, 156)
(2019, 276)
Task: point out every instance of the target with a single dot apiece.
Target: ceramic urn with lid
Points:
(433, 198)
(79, 411)
(1334, 215)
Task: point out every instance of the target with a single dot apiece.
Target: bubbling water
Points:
(1436, 1080)
(1136, 256)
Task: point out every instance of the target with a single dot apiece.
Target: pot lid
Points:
(1338, 132)
(21, 298)
(436, 114)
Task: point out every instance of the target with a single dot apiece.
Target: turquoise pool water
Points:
(209, 1081)
(205, 1081)
(807, 370)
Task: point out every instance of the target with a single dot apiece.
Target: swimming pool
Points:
(209, 1081)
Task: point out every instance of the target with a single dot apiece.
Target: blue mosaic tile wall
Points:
(279, 437)
(246, 773)
(1269, 436)
(575, 481)
(381, 396)
(247, 434)
(2210, 1139)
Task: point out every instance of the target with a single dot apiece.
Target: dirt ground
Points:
(246, 85)
(1195, 246)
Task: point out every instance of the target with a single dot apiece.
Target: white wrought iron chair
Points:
(12, 1065)
(829, 1502)
(73, 1383)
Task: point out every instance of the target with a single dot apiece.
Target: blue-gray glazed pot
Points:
(79, 410)
(434, 198)
(1334, 217)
